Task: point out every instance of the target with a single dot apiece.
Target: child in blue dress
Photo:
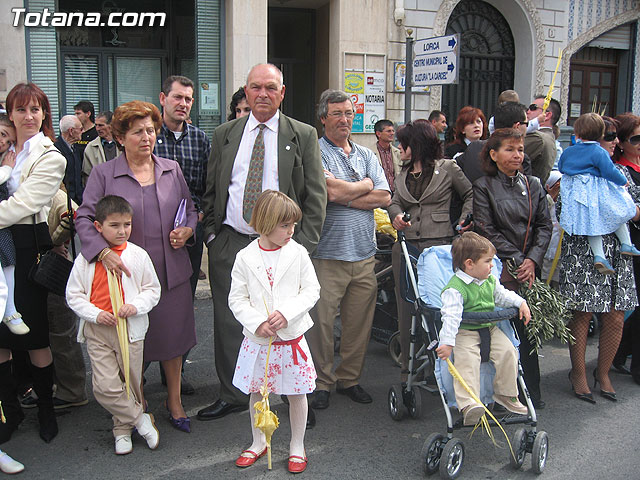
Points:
(595, 201)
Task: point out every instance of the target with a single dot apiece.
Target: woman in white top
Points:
(34, 180)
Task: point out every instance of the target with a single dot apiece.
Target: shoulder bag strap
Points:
(72, 226)
(526, 235)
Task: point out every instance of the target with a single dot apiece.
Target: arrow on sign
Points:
(450, 67)
(452, 42)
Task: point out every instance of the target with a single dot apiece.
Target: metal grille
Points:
(487, 56)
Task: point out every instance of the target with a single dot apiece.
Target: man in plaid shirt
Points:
(187, 145)
(190, 147)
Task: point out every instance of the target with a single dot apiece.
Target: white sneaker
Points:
(9, 465)
(15, 324)
(147, 430)
(123, 444)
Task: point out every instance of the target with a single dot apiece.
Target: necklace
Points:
(416, 175)
(143, 182)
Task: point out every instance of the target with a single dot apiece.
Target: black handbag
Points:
(51, 269)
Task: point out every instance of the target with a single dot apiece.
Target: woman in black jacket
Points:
(510, 209)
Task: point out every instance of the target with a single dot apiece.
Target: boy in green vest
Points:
(474, 289)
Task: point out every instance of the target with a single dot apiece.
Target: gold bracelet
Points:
(105, 251)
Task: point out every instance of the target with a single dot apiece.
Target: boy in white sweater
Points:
(88, 296)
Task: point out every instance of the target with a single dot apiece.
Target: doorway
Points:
(487, 58)
(291, 48)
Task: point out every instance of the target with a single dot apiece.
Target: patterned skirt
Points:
(291, 370)
(589, 290)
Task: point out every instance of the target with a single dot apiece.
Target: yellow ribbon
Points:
(2, 417)
(556, 257)
(547, 99)
(484, 422)
(115, 292)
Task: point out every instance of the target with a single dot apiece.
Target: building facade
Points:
(356, 45)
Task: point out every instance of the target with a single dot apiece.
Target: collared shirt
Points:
(14, 180)
(240, 169)
(348, 234)
(191, 151)
(109, 148)
(452, 306)
(387, 163)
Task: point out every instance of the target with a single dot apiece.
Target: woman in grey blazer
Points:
(424, 189)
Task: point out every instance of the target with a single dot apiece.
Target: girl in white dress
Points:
(273, 287)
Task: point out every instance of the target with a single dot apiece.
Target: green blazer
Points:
(300, 175)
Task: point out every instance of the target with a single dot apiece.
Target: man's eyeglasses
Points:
(338, 115)
(610, 136)
(635, 140)
(533, 107)
(525, 123)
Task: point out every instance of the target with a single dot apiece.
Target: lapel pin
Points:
(287, 147)
(436, 172)
(159, 140)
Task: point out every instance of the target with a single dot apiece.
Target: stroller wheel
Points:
(539, 452)
(519, 445)
(393, 347)
(452, 458)
(415, 402)
(396, 405)
(431, 453)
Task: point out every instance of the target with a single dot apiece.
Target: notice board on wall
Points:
(365, 82)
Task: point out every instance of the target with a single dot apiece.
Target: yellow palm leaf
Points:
(484, 421)
(115, 292)
(265, 419)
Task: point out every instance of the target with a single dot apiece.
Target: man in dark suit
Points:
(70, 134)
(292, 164)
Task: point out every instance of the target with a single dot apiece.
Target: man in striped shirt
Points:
(344, 259)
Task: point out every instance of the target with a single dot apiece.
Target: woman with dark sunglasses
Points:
(627, 157)
(610, 138)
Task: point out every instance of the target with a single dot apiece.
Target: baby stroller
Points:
(440, 452)
(385, 322)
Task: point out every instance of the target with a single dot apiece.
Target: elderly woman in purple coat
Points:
(157, 191)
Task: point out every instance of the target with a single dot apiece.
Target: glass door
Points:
(137, 78)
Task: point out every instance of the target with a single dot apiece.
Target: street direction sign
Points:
(436, 60)
(433, 45)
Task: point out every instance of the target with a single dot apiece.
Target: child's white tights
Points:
(10, 309)
(595, 242)
(298, 409)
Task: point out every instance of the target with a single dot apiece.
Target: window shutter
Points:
(42, 57)
(208, 61)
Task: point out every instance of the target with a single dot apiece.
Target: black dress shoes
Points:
(622, 368)
(219, 409)
(356, 393)
(320, 400)
(539, 404)
(311, 419)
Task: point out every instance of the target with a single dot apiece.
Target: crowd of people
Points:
(288, 221)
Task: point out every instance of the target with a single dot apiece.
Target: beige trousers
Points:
(108, 378)
(352, 287)
(503, 355)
